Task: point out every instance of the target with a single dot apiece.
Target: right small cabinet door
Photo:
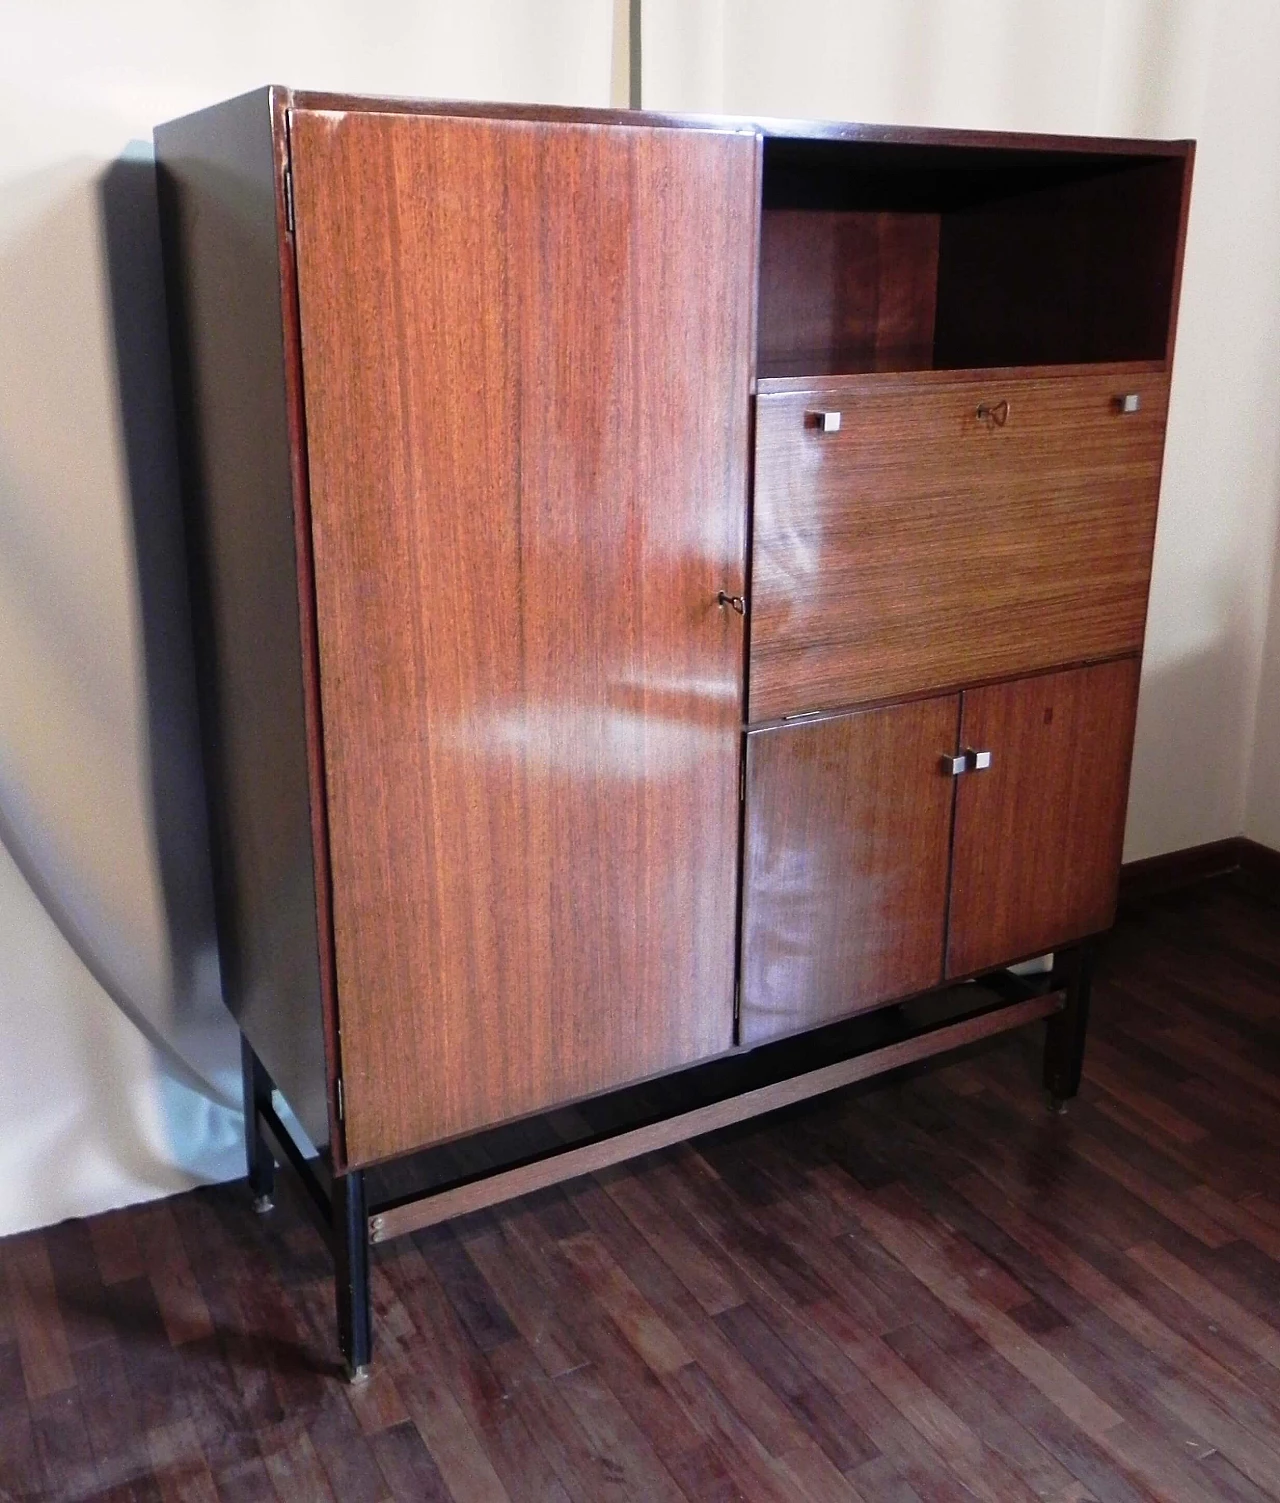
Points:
(1038, 832)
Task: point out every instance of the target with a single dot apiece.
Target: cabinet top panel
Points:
(830, 130)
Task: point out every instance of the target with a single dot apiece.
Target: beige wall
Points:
(103, 876)
(1256, 223)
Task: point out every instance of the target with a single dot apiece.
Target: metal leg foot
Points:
(261, 1166)
(1065, 1040)
(351, 1268)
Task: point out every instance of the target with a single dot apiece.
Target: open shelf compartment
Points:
(880, 256)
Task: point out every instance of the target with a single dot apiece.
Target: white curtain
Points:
(119, 1069)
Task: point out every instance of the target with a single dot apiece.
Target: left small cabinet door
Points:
(526, 354)
(848, 829)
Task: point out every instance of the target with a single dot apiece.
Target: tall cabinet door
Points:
(1039, 831)
(848, 827)
(526, 350)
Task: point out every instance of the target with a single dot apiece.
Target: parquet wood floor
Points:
(923, 1291)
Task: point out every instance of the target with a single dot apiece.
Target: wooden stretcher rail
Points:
(600, 1154)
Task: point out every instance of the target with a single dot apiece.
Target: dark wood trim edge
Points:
(291, 333)
(1258, 867)
(1174, 869)
(768, 126)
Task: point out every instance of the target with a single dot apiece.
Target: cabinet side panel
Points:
(526, 352)
(219, 186)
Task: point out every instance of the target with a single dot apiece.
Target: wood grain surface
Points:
(926, 1290)
(846, 291)
(921, 547)
(1038, 835)
(848, 832)
(526, 352)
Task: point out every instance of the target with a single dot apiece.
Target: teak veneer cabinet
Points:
(671, 594)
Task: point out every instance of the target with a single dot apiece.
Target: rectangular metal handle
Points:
(969, 760)
(824, 421)
(1131, 401)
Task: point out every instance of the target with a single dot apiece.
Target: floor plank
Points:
(926, 1290)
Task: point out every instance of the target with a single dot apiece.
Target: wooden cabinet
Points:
(548, 754)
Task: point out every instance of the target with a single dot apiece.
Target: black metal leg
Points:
(1064, 1045)
(344, 1210)
(257, 1093)
(351, 1266)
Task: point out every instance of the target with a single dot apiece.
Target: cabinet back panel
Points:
(1038, 833)
(920, 546)
(846, 291)
(526, 351)
(1074, 272)
(848, 825)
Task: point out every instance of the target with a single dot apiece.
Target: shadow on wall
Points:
(105, 905)
(131, 235)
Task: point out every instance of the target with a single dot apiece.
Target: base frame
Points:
(1065, 1038)
(337, 1204)
(366, 1206)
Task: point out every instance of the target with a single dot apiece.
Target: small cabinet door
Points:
(526, 349)
(1038, 832)
(848, 822)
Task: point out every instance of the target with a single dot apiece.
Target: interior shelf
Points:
(850, 360)
(902, 257)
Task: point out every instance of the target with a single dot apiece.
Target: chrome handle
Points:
(968, 761)
(824, 421)
(994, 414)
(1130, 401)
(736, 601)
